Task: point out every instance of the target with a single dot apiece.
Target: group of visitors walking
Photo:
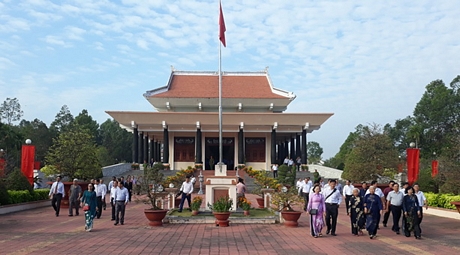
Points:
(365, 207)
(92, 200)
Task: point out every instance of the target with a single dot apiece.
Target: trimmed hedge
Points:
(23, 196)
(441, 200)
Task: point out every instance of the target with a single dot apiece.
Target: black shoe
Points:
(384, 224)
(328, 232)
(70, 215)
(397, 232)
(112, 219)
(77, 214)
(122, 223)
(116, 223)
(57, 214)
(333, 234)
(179, 211)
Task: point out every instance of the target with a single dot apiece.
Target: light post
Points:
(201, 180)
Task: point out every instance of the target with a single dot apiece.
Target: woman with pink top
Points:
(316, 208)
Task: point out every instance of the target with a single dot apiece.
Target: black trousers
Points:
(396, 211)
(56, 203)
(332, 211)
(386, 216)
(113, 208)
(182, 201)
(99, 207)
(305, 196)
(120, 212)
(347, 202)
(275, 174)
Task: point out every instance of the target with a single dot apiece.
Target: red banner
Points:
(2, 167)
(27, 162)
(434, 168)
(413, 161)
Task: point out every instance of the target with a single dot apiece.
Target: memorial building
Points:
(184, 129)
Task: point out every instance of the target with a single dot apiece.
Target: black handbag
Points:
(313, 211)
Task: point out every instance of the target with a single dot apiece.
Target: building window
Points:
(255, 149)
(184, 149)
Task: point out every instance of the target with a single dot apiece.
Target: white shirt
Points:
(378, 192)
(112, 192)
(101, 190)
(60, 189)
(394, 198)
(306, 187)
(121, 195)
(187, 187)
(299, 184)
(348, 190)
(275, 168)
(421, 198)
(290, 162)
(110, 186)
(335, 198)
(286, 161)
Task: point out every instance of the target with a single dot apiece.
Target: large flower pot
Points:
(222, 218)
(155, 217)
(291, 218)
(260, 202)
(457, 205)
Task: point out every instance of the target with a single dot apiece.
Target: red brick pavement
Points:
(40, 232)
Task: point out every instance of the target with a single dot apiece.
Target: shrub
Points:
(286, 175)
(20, 196)
(441, 200)
(40, 194)
(16, 180)
(4, 196)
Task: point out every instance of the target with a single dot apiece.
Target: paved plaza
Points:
(40, 232)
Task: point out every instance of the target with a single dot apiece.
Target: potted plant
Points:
(196, 204)
(152, 187)
(457, 205)
(284, 202)
(245, 205)
(221, 210)
(262, 180)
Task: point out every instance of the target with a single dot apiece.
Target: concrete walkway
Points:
(40, 232)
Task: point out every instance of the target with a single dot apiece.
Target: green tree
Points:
(403, 133)
(40, 135)
(338, 161)
(373, 154)
(116, 140)
(314, 152)
(85, 121)
(10, 110)
(62, 122)
(10, 141)
(74, 154)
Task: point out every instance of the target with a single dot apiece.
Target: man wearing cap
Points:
(74, 197)
(57, 193)
(121, 199)
(187, 189)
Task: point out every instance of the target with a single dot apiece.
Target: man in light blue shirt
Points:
(57, 193)
(120, 201)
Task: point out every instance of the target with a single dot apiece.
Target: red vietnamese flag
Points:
(222, 28)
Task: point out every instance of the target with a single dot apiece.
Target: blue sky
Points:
(365, 61)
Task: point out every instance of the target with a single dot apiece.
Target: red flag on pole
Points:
(27, 161)
(222, 28)
(412, 164)
(434, 168)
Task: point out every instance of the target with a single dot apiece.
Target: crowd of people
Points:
(93, 200)
(364, 206)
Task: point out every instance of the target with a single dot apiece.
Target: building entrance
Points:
(212, 150)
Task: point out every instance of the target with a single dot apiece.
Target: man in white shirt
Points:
(187, 189)
(57, 193)
(298, 185)
(113, 189)
(286, 161)
(275, 170)
(104, 187)
(421, 201)
(394, 203)
(333, 198)
(101, 190)
(306, 187)
(109, 188)
(121, 199)
(347, 193)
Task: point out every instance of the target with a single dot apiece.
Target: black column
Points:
(240, 147)
(159, 152)
(166, 146)
(273, 147)
(135, 146)
(278, 150)
(292, 155)
(152, 150)
(155, 151)
(304, 146)
(140, 147)
(199, 158)
(286, 149)
(146, 148)
(298, 151)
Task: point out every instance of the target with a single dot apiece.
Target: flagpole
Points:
(220, 104)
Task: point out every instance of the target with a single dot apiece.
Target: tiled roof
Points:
(207, 86)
